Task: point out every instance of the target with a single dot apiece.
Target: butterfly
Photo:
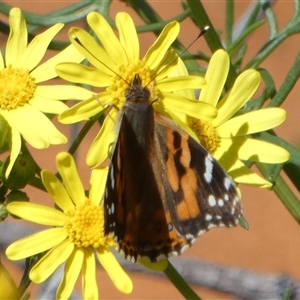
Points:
(163, 188)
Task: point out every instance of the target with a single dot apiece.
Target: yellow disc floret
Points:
(85, 226)
(206, 133)
(17, 88)
(119, 83)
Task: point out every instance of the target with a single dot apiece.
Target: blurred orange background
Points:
(272, 243)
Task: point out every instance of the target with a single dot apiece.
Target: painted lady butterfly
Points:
(163, 189)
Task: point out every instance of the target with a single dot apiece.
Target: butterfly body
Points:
(163, 189)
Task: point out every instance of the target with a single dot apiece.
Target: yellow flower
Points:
(76, 236)
(227, 136)
(23, 101)
(117, 61)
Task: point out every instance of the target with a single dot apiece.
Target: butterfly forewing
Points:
(163, 188)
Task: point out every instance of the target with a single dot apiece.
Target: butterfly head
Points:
(136, 92)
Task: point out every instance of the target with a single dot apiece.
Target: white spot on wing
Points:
(227, 183)
(211, 225)
(208, 217)
(201, 232)
(184, 248)
(221, 202)
(212, 201)
(208, 168)
(112, 179)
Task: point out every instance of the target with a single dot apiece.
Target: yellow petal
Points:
(57, 191)
(51, 261)
(37, 213)
(63, 92)
(244, 87)
(102, 144)
(107, 38)
(17, 40)
(83, 74)
(193, 108)
(36, 50)
(14, 141)
(172, 84)
(72, 269)
(244, 175)
(85, 109)
(94, 53)
(47, 71)
(158, 50)
(169, 65)
(36, 243)
(251, 122)
(239, 171)
(128, 36)
(180, 70)
(257, 150)
(97, 184)
(25, 120)
(215, 77)
(120, 279)
(67, 169)
(48, 105)
(89, 284)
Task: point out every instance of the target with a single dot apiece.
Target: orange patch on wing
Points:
(172, 173)
(185, 158)
(188, 208)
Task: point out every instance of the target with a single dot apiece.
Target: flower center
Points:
(16, 88)
(126, 74)
(206, 133)
(85, 226)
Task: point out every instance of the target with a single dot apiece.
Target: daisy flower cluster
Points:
(75, 237)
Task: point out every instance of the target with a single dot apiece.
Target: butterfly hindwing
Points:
(200, 193)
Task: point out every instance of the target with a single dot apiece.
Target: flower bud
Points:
(22, 172)
(3, 213)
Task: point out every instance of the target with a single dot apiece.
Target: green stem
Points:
(65, 15)
(272, 44)
(287, 197)
(229, 22)
(180, 283)
(270, 16)
(288, 84)
(25, 281)
(37, 183)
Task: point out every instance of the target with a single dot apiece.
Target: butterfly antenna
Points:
(202, 32)
(74, 37)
